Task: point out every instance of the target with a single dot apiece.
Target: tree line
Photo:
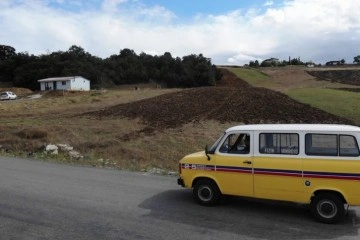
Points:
(127, 67)
(273, 62)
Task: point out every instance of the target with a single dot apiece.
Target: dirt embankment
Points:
(351, 77)
(233, 100)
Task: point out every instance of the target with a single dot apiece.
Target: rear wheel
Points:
(206, 192)
(327, 207)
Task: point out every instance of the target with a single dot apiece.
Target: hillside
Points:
(351, 77)
(233, 100)
(146, 128)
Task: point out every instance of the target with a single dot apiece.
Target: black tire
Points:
(327, 207)
(206, 192)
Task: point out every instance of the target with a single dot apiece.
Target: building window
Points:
(63, 83)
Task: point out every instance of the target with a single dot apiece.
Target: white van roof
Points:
(296, 127)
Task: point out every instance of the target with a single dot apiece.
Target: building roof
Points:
(296, 127)
(271, 60)
(56, 79)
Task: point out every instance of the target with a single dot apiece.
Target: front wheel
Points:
(327, 207)
(206, 192)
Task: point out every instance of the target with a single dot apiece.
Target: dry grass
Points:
(73, 102)
(287, 78)
(27, 124)
(32, 133)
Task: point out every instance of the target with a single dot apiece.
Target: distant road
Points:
(40, 200)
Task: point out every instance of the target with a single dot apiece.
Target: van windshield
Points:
(213, 147)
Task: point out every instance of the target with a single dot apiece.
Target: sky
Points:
(230, 32)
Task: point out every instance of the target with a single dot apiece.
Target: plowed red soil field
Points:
(232, 100)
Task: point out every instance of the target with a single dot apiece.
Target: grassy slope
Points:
(341, 103)
(252, 76)
(314, 93)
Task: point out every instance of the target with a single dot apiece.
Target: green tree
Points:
(77, 52)
(198, 71)
(124, 68)
(166, 64)
(7, 63)
(74, 62)
(296, 61)
(6, 52)
(27, 74)
(265, 64)
(357, 59)
(284, 63)
(254, 63)
(8, 67)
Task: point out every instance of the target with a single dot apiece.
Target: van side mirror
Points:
(207, 152)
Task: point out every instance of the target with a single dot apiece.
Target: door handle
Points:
(247, 162)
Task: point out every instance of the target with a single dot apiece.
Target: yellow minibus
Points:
(315, 164)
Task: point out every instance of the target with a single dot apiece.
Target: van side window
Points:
(279, 143)
(321, 144)
(331, 145)
(348, 146)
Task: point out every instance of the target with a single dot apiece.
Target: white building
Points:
(76, 83)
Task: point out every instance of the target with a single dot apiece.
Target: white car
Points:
(7, 96)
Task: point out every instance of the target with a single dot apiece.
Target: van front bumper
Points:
(180, 181)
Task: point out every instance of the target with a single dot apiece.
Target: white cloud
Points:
(268, 3)
(243, 58)
(112, 5)
(156, 12)
(314, 30)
